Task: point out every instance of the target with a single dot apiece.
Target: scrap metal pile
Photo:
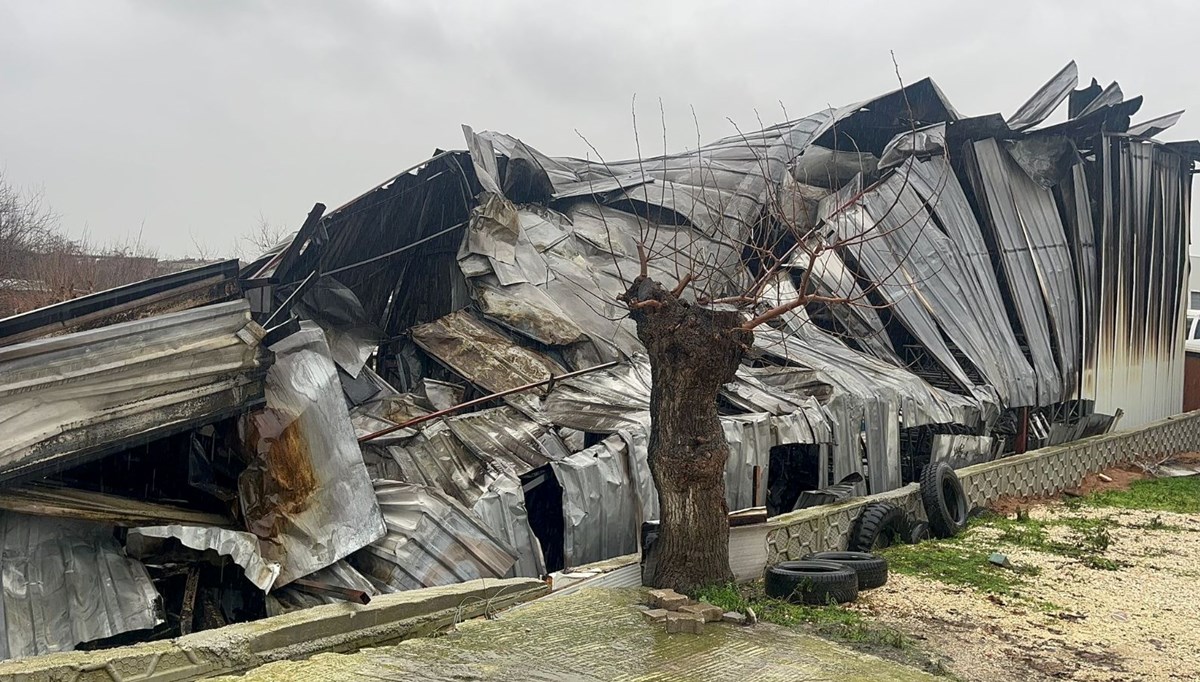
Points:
(436, 382)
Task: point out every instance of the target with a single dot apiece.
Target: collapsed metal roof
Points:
(499, 266)
(992, 284)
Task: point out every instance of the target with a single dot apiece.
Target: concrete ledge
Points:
(296, 635)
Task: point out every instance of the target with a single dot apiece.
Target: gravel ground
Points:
(1138, 623)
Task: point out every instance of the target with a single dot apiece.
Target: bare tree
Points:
(264, 237)
(41, 265)
(698, 330)
(26, 226)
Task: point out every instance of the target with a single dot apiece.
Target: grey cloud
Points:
(193, 117)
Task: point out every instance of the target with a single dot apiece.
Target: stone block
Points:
(668, 599)
(733, 618)
(685, 622)
(708, 612)
(655, 615)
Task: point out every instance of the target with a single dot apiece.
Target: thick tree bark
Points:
(693, 351)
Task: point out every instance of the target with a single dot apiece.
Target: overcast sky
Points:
(191, 119)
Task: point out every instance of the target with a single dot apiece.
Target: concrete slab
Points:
(296, 635)
(595, 635)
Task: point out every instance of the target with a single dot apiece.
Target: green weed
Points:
(1179, 495)
(832, 621)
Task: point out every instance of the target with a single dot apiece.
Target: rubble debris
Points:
(668, 599)
(710, 613)
(685, 622)
(655, 615)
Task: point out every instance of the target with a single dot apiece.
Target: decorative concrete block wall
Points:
(1039, 472)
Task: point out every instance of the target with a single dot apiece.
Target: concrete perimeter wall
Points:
(1038, 472)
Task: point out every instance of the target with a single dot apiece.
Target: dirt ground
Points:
(1136, 617)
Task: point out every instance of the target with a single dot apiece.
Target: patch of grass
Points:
(1157, 523)
(1087, 540)
(956, 562)
(1180, 495)
(833, 621)
(1102, 563)
(963, 560)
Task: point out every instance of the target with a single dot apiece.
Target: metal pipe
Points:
(484, 399)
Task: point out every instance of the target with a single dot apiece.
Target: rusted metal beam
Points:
(323, 590)
(484, 399)
(186, 613)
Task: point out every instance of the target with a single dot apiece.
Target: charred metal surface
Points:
(166, 294)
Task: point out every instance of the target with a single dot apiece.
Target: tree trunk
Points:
(693, 351)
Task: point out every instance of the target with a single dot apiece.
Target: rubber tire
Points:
(918, 533)
(812, 582)
(872, 570)
(878, 521)
(944, 500)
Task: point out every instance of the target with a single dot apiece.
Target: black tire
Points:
(872, 570)
(812, 582)
(944, 500)
(880, 525)
(918, 533)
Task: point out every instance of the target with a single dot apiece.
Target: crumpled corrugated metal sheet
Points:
(240, 546)
(67, 399)
(875, 216)
(1024, 221)
(502, 508)
(1004, 365)
(65, 583)
(431, 540)
(1048, 98)
(600, 507)
(482, 354)
(476, 458)
(306, 493)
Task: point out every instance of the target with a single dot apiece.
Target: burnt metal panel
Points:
(1141, 251)
(305, 492)
(67, 399)
(482, 355)
(155, 296)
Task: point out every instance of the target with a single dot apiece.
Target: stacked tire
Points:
(826, 577)
(838, 577)
(812, 582)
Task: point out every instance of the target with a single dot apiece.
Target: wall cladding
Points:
(1039, 472)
